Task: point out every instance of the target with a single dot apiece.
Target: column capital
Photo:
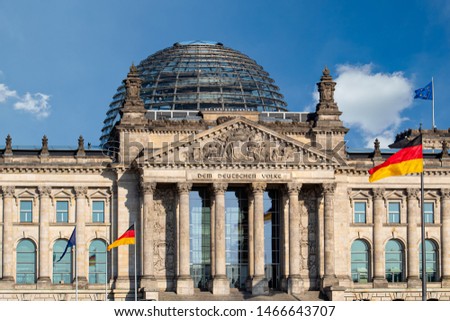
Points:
(293, 188)
(445, 193)
(258, 187)
(80, 191)
(413, 193)
(8, 191)
(148, 187)
(378, 193)
(328, 188)
(44, 191)
(184, 187)
(219, 188)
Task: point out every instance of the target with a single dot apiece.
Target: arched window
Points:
(62, 269)
(360, 261)
(394, 261)
(431, 254)
(26, 262)
(97, 262)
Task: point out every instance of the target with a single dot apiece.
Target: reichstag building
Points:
(228, 191)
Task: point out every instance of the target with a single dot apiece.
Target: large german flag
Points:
(409, 159)
(127, 238)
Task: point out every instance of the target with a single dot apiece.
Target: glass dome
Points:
(200, 75)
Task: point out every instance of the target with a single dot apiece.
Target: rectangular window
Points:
(62, 211)
(98, 211)
(394, 212)
(428, 208)
(26, 211)
(360, 212)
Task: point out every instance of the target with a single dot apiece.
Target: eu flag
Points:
(72, 241)
(424, 93)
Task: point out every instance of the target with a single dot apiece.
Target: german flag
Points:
(127, 238)
(409, 159)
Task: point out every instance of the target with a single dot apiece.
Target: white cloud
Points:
(36, 104)
(372, 102)
(5, 93)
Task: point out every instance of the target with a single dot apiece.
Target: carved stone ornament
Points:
(8, 147)
(81, 191)
(8, 191)
(376, 151)
(413, 193)
(242, 143)
(293, 188)
(184, 187)
(80, 150)
(328, 188)
(44, 150)
(445, 193)
(378, 193)
(219, 188)
(148, 187)
(44, 191)
(259, 187)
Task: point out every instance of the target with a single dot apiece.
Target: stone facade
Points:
(151, 168)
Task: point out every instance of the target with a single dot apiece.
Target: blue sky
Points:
(62, 61)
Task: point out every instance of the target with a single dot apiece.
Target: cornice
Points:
(52, 170)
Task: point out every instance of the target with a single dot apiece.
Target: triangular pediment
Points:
(238, 142)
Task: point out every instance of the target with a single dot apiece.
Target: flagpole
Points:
(76, 272)
(135, 265)
(424, 250)
(432, 100)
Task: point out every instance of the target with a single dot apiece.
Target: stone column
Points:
(8, 244)
(445, 236)
(148, 280)
(213, 238)
(185, 284)
(81, 246)
(44, 219)
(329, 278)
(413, 237)
(251, 241)
(221, 285)
(259, 281)
(379, 275)
(285, 240)
(295, 282)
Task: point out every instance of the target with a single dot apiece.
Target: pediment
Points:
(238, 142)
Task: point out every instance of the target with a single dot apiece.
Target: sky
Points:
(62, 61)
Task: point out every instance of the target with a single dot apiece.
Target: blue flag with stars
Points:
(72, 241)
(424, 93)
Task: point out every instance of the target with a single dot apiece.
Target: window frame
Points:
(32, 264)
(396, 276)
(358, 214)
(360, 272)
(21, 211)
(97, 212)
(427, 214)
(399, 213)
(57, 211)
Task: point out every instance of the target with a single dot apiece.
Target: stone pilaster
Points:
(221, 285)
(44, 280)
(445, 236)
(185, 284)
(329, 278)
(259, 281)
(379, 278)
(295, 282)
(148, 280)
(413, 237)
(81, 208)
(8, 247)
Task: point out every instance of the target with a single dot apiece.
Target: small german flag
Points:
(409, 159)
(127, 238)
